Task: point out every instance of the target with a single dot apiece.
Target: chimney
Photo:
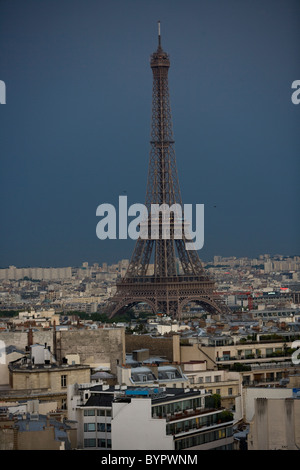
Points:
(30, 338)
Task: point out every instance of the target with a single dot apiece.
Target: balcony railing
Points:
(189, 414)
(206, 418)
(273, 355)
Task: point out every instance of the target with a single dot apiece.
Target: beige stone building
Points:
(225, 383)
(167, 347)
(37, 432)
(275, 425)
(100, 347)
(45, 382)
(248, 352)
(50, 377)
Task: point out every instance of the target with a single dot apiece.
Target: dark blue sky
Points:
(76, 127)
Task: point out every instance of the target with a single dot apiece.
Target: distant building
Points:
(41, 318)
(288, 315)
(46, 274)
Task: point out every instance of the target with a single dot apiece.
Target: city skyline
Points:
(77, 117)
(260, 259)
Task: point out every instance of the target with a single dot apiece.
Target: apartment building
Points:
(226, 384)
(152, 375)
(157, 418)
(31, 430)
(39, 375)
(227, 351)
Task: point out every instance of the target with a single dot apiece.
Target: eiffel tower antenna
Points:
(159, 37)
(162, 272)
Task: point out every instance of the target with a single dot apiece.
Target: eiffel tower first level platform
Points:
(166, 295)
(177, 275)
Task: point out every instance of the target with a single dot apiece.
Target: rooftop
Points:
(100, 394)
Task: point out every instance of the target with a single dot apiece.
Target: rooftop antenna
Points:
(159, 42)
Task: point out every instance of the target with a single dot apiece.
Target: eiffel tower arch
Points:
(167, 289)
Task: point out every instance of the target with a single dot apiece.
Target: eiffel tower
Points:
(167, 290)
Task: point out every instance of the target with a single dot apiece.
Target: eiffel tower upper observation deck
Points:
(168, 289)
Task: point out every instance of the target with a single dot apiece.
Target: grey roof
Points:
(11, 349)
(100, 399)
(102, 375)
(37, 424)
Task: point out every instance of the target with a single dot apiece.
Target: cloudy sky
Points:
(75, 129)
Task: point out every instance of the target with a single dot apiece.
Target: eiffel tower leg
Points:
(209, 304)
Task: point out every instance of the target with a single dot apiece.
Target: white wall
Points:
(251, 393)
(4, 361)
(132, 427)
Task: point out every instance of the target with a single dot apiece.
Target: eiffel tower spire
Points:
(159, 38)
(163, 184)
(170, 285)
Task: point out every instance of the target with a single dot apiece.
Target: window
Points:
(101, 427)
(64, 404)
(101, 443)
(89, 443)
(104, 412)
(89, 427)
(208, 379)
(218, 391)
(63, 381)
(202, 438)
(105, 444)
(89, 412)
(230, 391)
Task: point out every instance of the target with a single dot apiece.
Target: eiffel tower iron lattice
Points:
(167, 289)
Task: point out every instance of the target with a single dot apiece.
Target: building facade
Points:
(124, 418)
(275, 425)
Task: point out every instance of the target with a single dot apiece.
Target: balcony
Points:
(250, 358)
(194, 420)
(182, 415)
